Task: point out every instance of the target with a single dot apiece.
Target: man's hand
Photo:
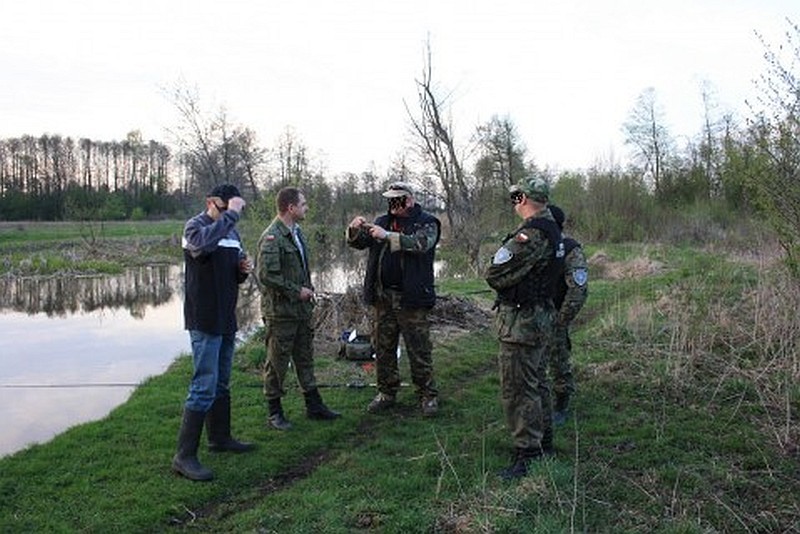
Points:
(377, 232)
(245, 265)
(306, 294)
(358, 222)
(236, 204)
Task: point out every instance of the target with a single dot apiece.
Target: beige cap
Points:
(398, 189)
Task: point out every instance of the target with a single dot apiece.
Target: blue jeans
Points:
(212, 356)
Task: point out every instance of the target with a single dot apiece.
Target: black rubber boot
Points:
(276, 419)
(218, 428)
(316, 409)
(185, 461)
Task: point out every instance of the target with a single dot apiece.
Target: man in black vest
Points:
(524, 272)
(399, 285)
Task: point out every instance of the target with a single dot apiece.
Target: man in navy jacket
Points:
(215, 266)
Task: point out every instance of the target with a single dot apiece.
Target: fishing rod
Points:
(350, 385)
(76, 385)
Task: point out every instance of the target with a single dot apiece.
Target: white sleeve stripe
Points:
(230, 243)
(224, 243)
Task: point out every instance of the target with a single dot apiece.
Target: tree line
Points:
(52, 177)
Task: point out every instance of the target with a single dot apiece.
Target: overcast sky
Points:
(338, 71)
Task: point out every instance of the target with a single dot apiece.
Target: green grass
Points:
(25, 232)
(672, 431)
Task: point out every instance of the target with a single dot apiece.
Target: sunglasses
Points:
(397, 203)
(517, 197)
(220, 208)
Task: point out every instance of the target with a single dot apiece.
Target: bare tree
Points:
(645, 129)
(291, 155)
(195, 137)
(436, 143)
(251, 159)
(711, 152)
(212, 148)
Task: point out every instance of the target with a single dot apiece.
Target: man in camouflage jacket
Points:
(524, 272)
(287, 304)
(570, 296)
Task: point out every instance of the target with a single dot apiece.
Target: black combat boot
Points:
(276, 419)
(520, 462)
(185, 461)
(316, 409)
(547, 448)
(218, 428)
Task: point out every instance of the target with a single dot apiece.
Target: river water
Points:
(73, 348)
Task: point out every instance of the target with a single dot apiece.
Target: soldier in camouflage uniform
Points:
(570, 297)
(287, 303)
(524, 272)
(399, 285)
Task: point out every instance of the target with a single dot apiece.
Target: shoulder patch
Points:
(580, 276)
(502, 256)
(522, 237)
(270, 237)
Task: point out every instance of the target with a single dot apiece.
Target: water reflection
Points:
(72, 348)
(134, 290)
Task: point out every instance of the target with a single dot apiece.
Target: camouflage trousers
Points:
(288, 341)
(560, 363)
(525, 337)
(390, 322)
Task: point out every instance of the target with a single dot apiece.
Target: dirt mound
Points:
(336, 313)
(601, 267)
(459, 314)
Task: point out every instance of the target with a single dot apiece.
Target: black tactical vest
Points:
(540, 285)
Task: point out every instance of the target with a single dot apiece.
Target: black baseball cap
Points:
(224, 191)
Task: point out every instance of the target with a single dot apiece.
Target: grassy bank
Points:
(45, 248)
(685, 421)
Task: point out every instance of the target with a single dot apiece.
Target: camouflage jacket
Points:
(281, 272)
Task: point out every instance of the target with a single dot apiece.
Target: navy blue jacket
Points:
(212, 250)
